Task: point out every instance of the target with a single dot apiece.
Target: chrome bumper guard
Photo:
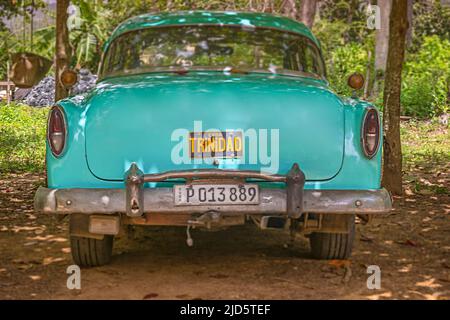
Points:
(135, 179)
(135, 200)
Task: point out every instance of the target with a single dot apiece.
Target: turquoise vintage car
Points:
(209, 120)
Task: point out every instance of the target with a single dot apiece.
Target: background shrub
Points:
(22, 138)
(426, 79)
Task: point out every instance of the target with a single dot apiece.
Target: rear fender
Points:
(357, 172)
(70, 170)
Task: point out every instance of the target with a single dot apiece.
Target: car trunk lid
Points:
(136, 119)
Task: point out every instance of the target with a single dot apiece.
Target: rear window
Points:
(212, 47)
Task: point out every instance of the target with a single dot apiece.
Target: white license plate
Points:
(214, 194)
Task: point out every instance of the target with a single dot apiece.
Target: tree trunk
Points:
(392, 173)
(308, 12)
(63, 50)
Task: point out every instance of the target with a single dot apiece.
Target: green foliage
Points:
(7, 9)
(22, 138)
(88, 38)
(43, 42)
(330, 34)
(426, 74)
(430, 18)
(6, 40)
(347, 18)
(343, 61)
(426, 79)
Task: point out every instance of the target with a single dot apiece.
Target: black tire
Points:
(327, 246)
(87, 252)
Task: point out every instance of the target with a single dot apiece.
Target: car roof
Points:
(245, 19)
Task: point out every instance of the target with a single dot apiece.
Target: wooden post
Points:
(367, 82)
(63, 50)
(8, 88)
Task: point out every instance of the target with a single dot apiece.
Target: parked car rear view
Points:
(210, 120)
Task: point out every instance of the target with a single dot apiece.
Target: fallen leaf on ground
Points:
(408, 242)
(25, 266)
(339, 263)
(150, 296)
(366, 238)
(51, 260)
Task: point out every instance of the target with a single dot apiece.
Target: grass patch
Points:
(22, 138)
(426, 157)
(425, 143)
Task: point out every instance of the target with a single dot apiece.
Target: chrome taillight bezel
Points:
(64, 122)
(366, 152)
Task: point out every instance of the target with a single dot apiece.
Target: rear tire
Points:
(327, 246)
(88, 252)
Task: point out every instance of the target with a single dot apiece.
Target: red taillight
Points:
(370, 133)
(56, 132)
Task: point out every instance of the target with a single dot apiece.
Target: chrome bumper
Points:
(160, 200)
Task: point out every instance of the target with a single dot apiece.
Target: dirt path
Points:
(411, 245)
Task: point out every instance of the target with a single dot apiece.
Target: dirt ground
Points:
(411, 245)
